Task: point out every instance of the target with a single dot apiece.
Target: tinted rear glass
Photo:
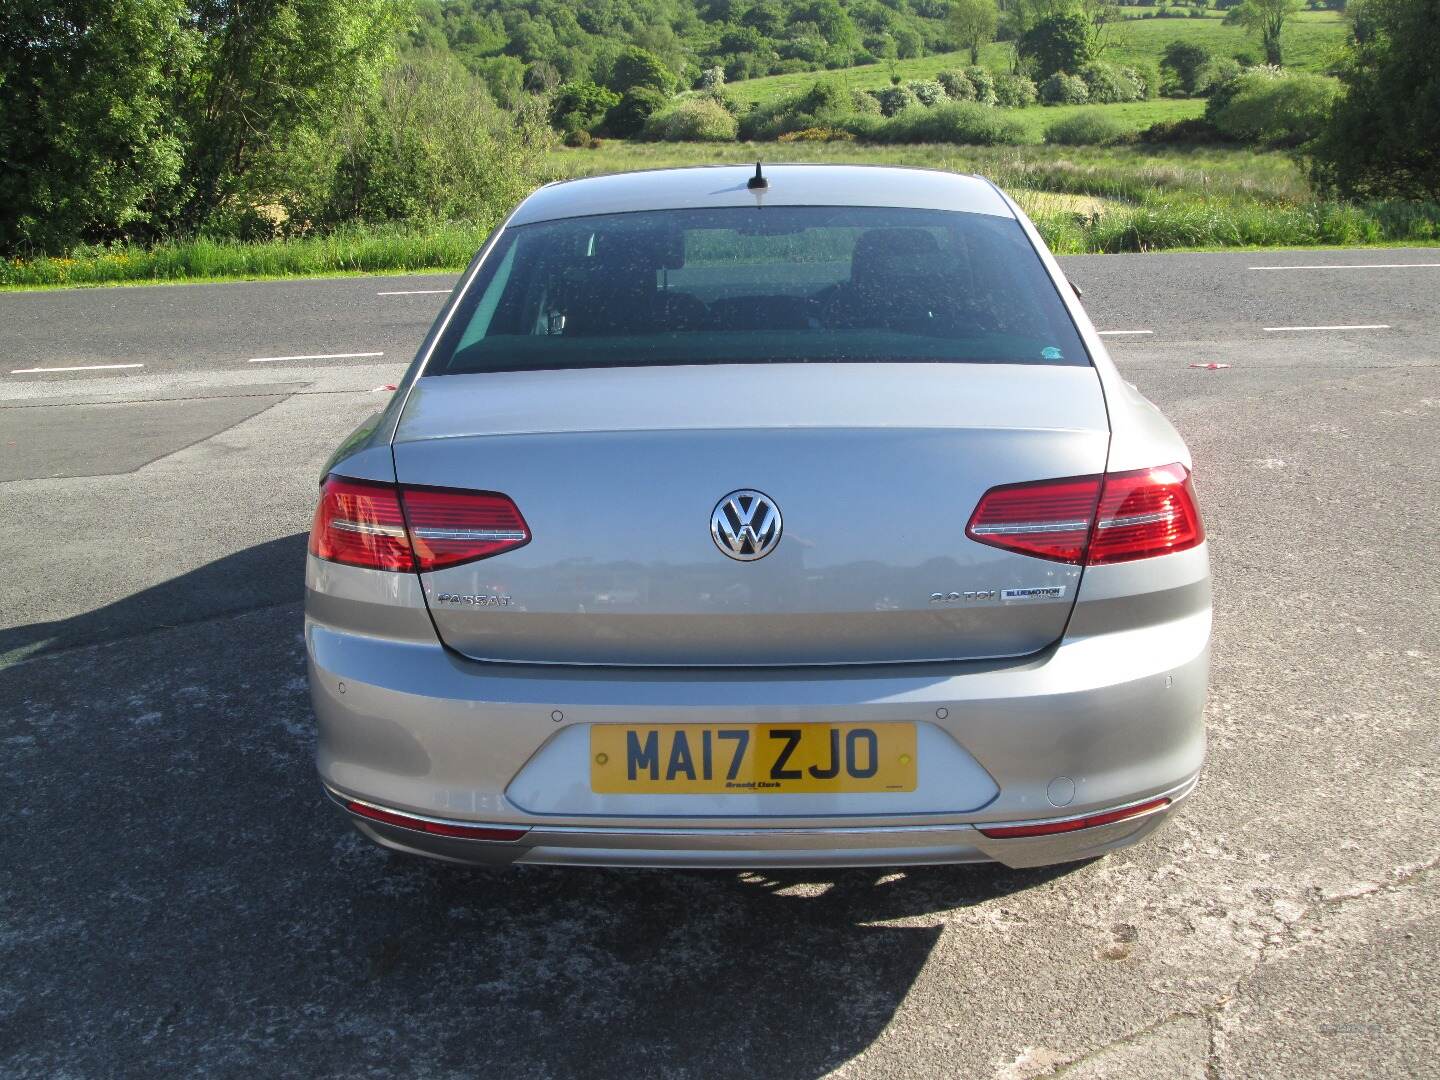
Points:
(760, 285)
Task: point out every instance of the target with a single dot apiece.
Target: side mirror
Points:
(1079, 295)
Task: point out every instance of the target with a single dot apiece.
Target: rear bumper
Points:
(1105, 719)
(779, 846)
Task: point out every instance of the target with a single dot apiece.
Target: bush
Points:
(964, 122)
(1270, 107)
(1089, 128)
(1015, 91)
(1062, 89)
(1107, 84)
(577, 138)
(927, 91)
(1193, 132)
(822, 99)
(817, 134)
(692, 120)
(1146, 77)
(1384, 136)
(432, 147)
(957, 85)
(1187, 62)
(580, 106)
(984, 84)
(861, 102)
(1218, 73)
(895, 99)
(629, 114)
(825, 104)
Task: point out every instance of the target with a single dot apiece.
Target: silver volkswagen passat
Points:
(727, 520)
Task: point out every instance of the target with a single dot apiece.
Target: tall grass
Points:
(1083, 199)
(353, 249)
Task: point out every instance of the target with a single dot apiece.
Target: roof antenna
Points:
(758, 181)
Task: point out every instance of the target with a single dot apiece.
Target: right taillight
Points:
(1143, 513)
(1087, 520)
(397, 527)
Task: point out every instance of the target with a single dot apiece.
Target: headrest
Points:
(887, 254)
(632, 250)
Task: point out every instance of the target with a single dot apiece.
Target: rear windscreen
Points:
(754, 285)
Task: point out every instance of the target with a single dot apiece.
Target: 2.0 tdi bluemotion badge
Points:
(731, 524)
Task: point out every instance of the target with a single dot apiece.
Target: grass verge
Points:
(351, 250)
(1083, 199)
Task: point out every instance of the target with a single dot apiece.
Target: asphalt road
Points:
(176, 897)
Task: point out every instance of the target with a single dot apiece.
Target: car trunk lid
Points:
(873, 468)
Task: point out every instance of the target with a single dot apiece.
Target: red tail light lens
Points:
(451, 527)
(1050, 828)
(360, 523)
(1092, 519)
(435, 828)
(1144, 513)
(1049, 519)
(363, 523)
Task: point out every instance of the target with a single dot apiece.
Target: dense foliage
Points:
(1384, 135)
(131, 121)
(134, 119)
(1266, 106)
(1089, 127)
(540, 43)
(88, 131)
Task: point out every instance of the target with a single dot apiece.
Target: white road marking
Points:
(315, 356)
(1122, 333)
(1358, 326)
(415, 292)
(84, 367)
(1348, 266)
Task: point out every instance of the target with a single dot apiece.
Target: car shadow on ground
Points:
(180, 897)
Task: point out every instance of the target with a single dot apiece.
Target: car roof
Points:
(789, 185)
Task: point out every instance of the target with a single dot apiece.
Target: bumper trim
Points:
(779, 846)
(1013, 830)
(430, 826)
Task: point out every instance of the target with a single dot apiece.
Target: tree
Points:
(767, 17)
(628, 116)
(1058, 43)
(973, 23)
(271, 75)
(89, 138)
(1266, 18)
(635, 66)
(1383, 137)
(580, 106)
(1188, 61)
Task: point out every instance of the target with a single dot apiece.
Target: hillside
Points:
(1310, 44)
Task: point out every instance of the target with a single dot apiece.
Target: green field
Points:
(1119, 174)
(1310, 44)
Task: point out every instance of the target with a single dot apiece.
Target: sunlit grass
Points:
(355, 249)
(1083, 199)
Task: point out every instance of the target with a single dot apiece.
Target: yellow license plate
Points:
(748, 759)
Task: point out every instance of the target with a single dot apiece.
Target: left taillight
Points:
(395, 527)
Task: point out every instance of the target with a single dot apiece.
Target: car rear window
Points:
(754, 285)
